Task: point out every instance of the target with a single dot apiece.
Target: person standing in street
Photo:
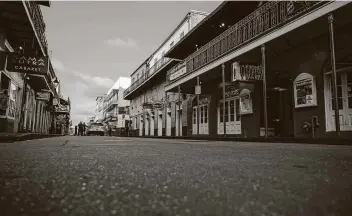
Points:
(84, 128)
(75, 130)
(80, 129)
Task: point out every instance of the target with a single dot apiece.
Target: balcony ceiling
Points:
(17, 25)
(229, 13)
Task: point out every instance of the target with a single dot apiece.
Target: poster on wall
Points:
(305, 91)
(4, 100)
(246, 103)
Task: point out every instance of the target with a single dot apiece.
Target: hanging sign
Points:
(55, 101)
(178, 72)
(158, 106)
(44, 96)
(27, 63)
(246, 72)
(61, 108)
(197, 90)
(147, 106)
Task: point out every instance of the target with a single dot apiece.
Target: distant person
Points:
(80, 129)
(84, 128)
(127, 127)
(110, 131)
(75, 130)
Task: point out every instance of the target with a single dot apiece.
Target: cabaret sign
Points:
(246, 72)
(27, 64)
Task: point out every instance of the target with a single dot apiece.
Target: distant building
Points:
(115, 107)
(147, 91)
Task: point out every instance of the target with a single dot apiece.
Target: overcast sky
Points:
(93, 43)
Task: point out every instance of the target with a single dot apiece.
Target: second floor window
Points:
(182, 34)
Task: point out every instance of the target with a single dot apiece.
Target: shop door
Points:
(203, 123)
(344, 99)
(168, 124)
(146, 125)
(141, 126)
(160, 124)
(232, 118)
(179, 123)
(194, 121)
(152, 125)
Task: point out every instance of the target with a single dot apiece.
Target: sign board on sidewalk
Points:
(198, 89)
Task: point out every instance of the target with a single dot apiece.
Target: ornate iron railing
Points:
(38, 21)
(150, 71)
(269, 16)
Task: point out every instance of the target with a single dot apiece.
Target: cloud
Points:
(100, 81)
(82, 90)
(57, 64)
(129, 42)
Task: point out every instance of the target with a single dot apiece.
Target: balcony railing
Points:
(150, 71)
(38, 21)
(266, 18)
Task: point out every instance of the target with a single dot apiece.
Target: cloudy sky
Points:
(93, 43)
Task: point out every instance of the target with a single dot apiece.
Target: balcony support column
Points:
(198, 109)
(333, 69)
(165, 112)
(179, 110)
(264, 91)
(223, 97)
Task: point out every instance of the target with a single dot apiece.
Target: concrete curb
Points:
(322, 141)
(11, 138)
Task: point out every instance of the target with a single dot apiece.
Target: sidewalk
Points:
(324, 141)
(15, 137)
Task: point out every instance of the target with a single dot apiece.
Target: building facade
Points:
(149, 114)
(277, 68)
(27, 77)
(115, 107)
(99, 108)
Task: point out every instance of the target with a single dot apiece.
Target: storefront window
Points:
(305, 91)
(221, 112)
(246, 104)
(11, 109)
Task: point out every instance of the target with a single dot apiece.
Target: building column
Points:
(264, 91)
(198, 110)
(223, 96)
(333, 68)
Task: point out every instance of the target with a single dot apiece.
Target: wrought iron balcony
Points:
(38, 22)
(266, 18)
(150, 71)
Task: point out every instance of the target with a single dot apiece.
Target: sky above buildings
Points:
(93, 43)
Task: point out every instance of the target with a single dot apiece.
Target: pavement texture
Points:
(136, 176)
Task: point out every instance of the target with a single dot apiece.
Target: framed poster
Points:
(305, 93)
(246, 102)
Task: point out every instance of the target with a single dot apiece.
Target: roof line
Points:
(178, 26)
(171, 34)
(197, 26)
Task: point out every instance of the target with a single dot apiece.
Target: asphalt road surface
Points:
(135, 176)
